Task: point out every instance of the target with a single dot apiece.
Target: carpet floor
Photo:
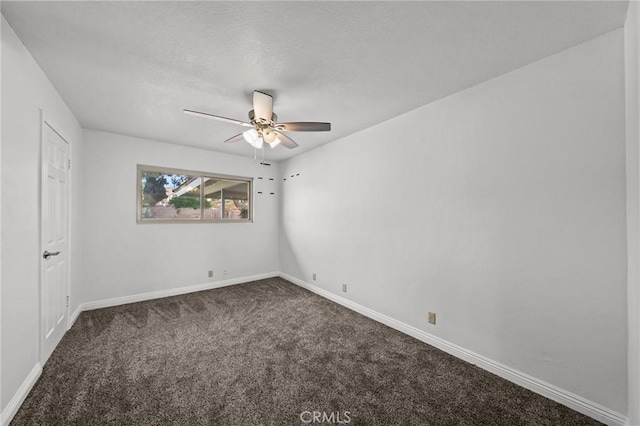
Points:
(266, 352)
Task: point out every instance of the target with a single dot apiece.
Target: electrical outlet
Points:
(344, 288)
(314, 276)
(225, 271)
(210, 273)
(432, 318)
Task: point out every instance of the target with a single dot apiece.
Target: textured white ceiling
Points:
(131, 67)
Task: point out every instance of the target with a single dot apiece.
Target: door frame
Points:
(45, 121)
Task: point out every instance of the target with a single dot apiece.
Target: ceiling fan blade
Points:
(217, 117)
(286, 140)
(237, 138)
(304, 126)
(262, 105)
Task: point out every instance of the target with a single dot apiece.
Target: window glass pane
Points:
(170, 196)
(227, 199)
(185, 198)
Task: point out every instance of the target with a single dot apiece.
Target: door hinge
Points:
(69, 163)
(67, 301)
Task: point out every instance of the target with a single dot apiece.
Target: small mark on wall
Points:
(292, 176)
(262, 187)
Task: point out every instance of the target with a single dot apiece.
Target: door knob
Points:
(46, 253)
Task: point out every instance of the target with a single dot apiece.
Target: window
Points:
(172, 195)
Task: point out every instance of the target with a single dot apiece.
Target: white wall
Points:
(1, 405)
(632, 84)
(26, 90)
(123, 258)
(501, 208)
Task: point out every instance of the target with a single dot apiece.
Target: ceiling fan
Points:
(264, 126)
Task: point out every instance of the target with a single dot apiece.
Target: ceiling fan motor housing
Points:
(252, 118)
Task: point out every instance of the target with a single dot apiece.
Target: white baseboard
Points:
(18, 398)
(74, 316)
(172, 292)
(571, 400)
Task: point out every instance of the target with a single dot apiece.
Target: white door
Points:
(55, 241)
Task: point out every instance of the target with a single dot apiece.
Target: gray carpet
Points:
(265, 352)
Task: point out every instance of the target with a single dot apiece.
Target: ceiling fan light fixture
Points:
(252, 138)
(269, 136)
(275, 142)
